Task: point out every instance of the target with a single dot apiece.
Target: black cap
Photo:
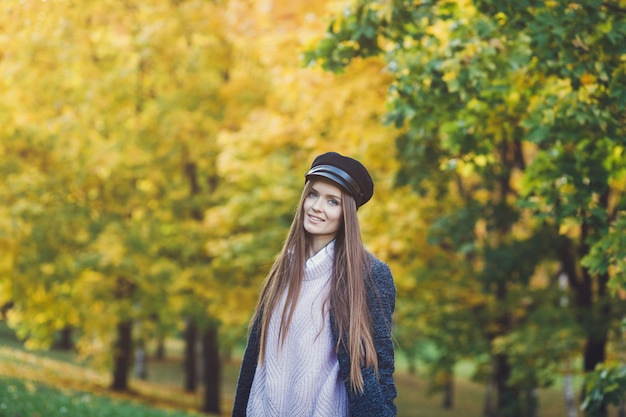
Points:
(346, 172)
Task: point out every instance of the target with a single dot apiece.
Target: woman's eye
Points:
(333, 202)
(313, 194)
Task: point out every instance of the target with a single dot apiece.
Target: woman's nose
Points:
(317, 206)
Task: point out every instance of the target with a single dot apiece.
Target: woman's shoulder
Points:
(378, 266)
(382, 290)
(380, 272)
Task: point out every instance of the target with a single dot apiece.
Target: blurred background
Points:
(152, 154)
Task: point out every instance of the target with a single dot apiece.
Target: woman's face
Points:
(323, 211)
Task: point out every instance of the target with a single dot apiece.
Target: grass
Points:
(52, 384)
(25, 398)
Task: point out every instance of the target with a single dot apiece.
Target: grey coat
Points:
(379, 392)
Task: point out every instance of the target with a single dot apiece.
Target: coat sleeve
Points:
(246, 374)
(379, 391)
(382, 302)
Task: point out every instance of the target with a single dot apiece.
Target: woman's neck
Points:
(317, 245)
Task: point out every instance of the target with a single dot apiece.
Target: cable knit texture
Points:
(379, 392)
(301, 377)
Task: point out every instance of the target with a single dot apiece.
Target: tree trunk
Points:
(191, 337)
(591, 302)
(531, 402)
(598, 327)
(448, 390)
(212, 370)
(160, 350)
(122, 355)
(65, 340)
(594, 354)
(411, 358)
(4, 309)
(595, 347)
(489, 406)
(507, 398)
(141, 365)
(621, 410)
(507, 401)
(570, 397)
(597, 330)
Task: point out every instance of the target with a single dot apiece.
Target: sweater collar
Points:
(321, 264)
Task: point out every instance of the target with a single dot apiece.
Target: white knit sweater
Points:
(301, 378)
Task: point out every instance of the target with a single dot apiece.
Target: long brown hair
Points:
(347, 299)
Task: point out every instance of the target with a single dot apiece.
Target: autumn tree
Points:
(112, 164)
(518, 107)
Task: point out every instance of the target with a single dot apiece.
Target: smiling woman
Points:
(320, 342)
(323, 210)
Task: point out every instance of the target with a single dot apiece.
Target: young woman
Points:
(320, 340)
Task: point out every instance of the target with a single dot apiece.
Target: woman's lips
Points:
(315, 219)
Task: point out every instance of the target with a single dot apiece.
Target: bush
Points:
(604, 386)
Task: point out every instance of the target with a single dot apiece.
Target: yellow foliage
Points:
(47, 268)
(133, 94)
(450, 75)
(110, 246)
(440, 30)
(7, 259)
(587, 79)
